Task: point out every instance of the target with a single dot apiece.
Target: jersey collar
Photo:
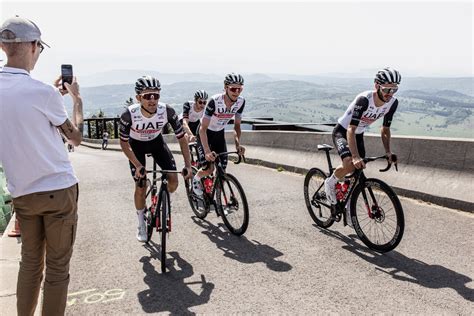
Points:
(12, 70)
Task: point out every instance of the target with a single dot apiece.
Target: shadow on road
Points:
(169, 292)
(240, 248)
(402, 268)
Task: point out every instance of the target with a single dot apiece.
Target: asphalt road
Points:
(283, 264)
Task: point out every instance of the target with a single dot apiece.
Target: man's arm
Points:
(73, 130)
(385, 130)
(203, 134)
(127, 150)
(237, 133)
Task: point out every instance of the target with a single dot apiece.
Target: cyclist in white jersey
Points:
(348, 134)
(141, 127)
(220, 109)
(192, 114)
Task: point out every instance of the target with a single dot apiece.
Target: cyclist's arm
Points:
(237, 129)
(205, 121)
(124, 134)
(385, 130)
(186, 109)
(186, 128)
(179, 132)
(203, 134)
(127, 150)
(360, 106)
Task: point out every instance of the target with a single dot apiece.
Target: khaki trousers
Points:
(48, 222)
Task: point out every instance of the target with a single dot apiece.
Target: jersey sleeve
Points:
(238, 115)
(186, 109)
(174, 122)
(210, 109)
(124, 125)
(387, 119)
(361, 105)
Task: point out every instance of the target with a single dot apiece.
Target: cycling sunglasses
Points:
(389, 90)
(147, 96)
(202, 102)
(235, 89)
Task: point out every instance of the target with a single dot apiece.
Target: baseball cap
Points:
(24, 30)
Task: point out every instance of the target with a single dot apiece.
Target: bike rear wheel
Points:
(377, 215)
(318, 206)
(197, 205)
(165, 217)
(232, 204)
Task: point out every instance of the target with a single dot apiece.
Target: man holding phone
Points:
(39, 174)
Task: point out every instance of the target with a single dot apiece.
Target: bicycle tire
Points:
(164, 212)
(314, 181)
(200, 212)
(149, 224)
(381, 214)
(231, 208)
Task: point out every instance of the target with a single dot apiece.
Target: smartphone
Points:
(66, 74)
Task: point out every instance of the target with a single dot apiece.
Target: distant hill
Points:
(428, 106)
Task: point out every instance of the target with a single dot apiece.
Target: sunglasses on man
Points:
(235, 89)
(202, 102)
(148, 96)
(41, 47)
(388, 90)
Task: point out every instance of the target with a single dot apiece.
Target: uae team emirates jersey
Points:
(134, 125)
(219, 114)
(362, 112)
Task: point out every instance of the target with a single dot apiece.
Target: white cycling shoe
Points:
(141, 233)
(197, 187)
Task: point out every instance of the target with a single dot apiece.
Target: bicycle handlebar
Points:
(141, 181)
(389, 164)
(239, 160)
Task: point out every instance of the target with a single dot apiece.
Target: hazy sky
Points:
(426, 38)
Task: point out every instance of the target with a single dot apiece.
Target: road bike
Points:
(368, 204)
(158, 214)
(225, 193)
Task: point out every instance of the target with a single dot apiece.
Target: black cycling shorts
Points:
(157, 148)
(339, 138)
(216, 141)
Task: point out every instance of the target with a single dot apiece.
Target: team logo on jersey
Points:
(134, 110)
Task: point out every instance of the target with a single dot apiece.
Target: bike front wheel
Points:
(232, 204)
(197, 204)
(164, 225)
(377, 215)
(318, 205)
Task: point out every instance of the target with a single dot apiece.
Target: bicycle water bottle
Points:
(208, 185)
(344, 187)
(339, 194)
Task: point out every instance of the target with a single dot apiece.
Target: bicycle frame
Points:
(355, 178)
(219, 174)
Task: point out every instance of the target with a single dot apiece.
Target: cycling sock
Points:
(141, 218)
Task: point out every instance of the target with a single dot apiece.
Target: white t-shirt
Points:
(31, 149)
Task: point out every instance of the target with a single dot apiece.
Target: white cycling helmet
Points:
(147, 83)
(388, 75)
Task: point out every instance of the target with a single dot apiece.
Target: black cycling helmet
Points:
(233, 78)
(147, 82)
(200, 94)
(388, 75)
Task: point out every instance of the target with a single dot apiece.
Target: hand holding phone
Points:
(66, 75)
